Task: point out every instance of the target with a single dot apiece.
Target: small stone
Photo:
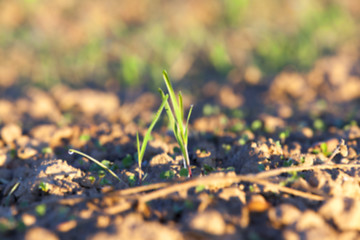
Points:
(26, 153)
(307, 132)
(233, 192)
(10, 132)
(290, 235)
(40, 233)
(66, 226)
(230, 99)
(3, 158)
(309, 220)
(344, 212)
(344, 150)
(209, 221)
(258, 203)
(352, 153)
(284, 215)
(28, 219)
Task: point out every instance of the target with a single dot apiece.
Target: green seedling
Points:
(199, 188)
(127, 161)
(237, 127)
(176, 119)
(169, 174)
(43, 186)
(184, 172)
(209, 110)
(324, 149)
(289, 162)
(141, 147)
(208, 169)
(283, 135)
(226, 147)
(261, 167)
(292, 178)
(40, 210)
(131, 180)
(47, 150)
(256, 125)
(103, 181)
(91, 179)
(319, 124)
(85, 137)
(72, 151)
(244, 138)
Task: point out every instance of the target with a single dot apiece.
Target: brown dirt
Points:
(248, 183)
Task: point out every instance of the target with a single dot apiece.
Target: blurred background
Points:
(304, 53)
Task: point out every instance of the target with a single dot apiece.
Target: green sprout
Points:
(44, 186)
(72, 151)
(176, 119)
(141, 147)
(40, 210)
(13, 189)
(127, 161)
(169, 174)
(292, 178)
(324, 149)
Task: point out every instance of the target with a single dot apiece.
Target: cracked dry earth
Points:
(248, 183)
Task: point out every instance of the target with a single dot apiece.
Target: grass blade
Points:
(172, 96)
(139, 157)
(168, 111)
(141, 149)
(148, 132)
(138, 148)
(181, 106)
(71, 151)
(16, 185)
(170, 90)
(187, 123)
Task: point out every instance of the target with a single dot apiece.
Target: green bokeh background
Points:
(100, 42)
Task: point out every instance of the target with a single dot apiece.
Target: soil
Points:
(271, 159)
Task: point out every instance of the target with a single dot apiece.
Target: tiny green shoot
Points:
(208, 169)
(292, 178)
(184, 172)
(261, 167)
(40, 210)
(72, 151)
(85, 137)
(131, 180)
(169, 174)
(319, 124)
(176, 119)
(141, 147)
(324, 149)
(16, 185)
(44, 186)
(47, 150)
(127, 161)
(256, 125)
(199, 188)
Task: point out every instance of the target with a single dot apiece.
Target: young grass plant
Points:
(72, 151)
(176, 119)
(141, 147)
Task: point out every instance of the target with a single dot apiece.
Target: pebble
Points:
(10, 132)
